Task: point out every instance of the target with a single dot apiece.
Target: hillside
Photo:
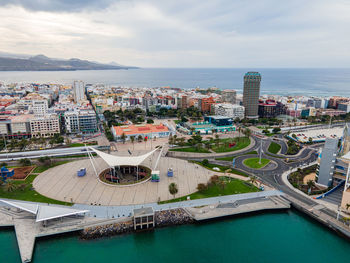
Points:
(42, 63)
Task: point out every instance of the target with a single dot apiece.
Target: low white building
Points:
(228, 110)
(40, 107)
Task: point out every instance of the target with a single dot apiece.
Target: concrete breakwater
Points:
(162, 218)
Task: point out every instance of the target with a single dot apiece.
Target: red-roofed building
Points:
(145, 130)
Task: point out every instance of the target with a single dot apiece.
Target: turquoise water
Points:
(272, 237)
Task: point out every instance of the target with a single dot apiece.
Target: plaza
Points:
(62, 183)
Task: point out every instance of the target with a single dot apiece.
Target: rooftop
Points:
(143, 211)
(139, 129)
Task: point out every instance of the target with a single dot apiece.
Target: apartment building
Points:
(228, 110)
(80, 121)
(45, 126)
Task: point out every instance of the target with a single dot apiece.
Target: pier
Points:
(238, 207)
(28, 229)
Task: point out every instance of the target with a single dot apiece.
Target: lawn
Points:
(274, 147)
(254, 163)
(223, 145)
(25, 189)
(190, 149)
(79, 144)
(43, 168)
(222, 168)
(227, 186)
(27, 193)
(230, 158)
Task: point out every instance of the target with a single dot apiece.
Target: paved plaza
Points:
(62, 182)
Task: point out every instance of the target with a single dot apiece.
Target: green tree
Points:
(123, 137)
(310, 184)
(45, 160)
(132, 139)
(9, 186)
(150, 121)
(173, 189)
(276, 130)
(201, 187)
(205, 162)
(247, 132)
(25, 162)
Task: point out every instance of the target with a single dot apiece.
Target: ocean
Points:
(310, 82)
(286, 237)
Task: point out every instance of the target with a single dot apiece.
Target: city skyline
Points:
(183, 34)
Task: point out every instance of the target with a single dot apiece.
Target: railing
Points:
(331, 191)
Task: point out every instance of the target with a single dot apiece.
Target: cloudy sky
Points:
(181, 33)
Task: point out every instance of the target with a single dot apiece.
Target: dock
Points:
(238, 207)
(27, 230)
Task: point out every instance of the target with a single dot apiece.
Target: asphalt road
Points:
(37, 154)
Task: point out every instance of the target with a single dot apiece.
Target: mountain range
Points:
(14, 62)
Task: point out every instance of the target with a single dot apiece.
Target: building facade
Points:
(46, 126)
(40, 107)
(144, 130)
(271, 109)
(83, 121)
(78, 91)
(251, 92)
(324, 174)
(229, 96)
(229, 110)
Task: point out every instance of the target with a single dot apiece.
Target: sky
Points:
(181, 33)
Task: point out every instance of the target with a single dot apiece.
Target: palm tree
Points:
(145, 140)
(173, 189)
(310, 184)
(247, 132)
(123, 137)
(239, 132)
(132, 139)
(252, 179)
(9, 186)
(347, 206)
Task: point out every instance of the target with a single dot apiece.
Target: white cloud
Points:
(192, 33)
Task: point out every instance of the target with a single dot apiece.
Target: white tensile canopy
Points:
(113, 160)
(44, 212)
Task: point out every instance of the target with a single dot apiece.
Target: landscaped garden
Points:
(274, 147)
(220, 168)
(255, 163)
(304, 180)
(23, 189)
(217, 145)
(218, 186)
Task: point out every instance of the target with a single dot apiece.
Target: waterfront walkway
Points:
(126, 210)
(27, 229)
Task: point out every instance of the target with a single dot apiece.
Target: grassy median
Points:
(255, 163)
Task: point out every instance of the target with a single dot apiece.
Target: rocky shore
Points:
(107, 230)
(162, 219)
(172, 217)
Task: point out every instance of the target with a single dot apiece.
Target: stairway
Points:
(335, 197)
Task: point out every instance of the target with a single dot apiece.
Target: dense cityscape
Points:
(242, 143)
(178, 131)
